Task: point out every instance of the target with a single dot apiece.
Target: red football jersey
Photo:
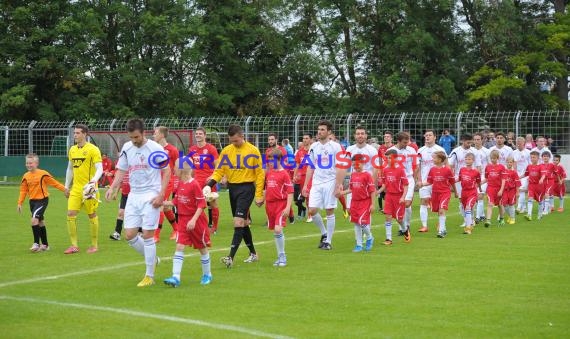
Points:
(560, 172)
(173, 154)
(361, 185)
(395, 179)
(533, 172)
(301, 170)
(204, 161)
(512, 180)
(277, 185)
(495, 174)
(269, 150)
(550, 170)
(189, 198)
(125, 186)
(441, 179)
(470, 178)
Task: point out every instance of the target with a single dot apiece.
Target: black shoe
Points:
(291, 220)
(326, 246)
(322, 242)
(401, 233)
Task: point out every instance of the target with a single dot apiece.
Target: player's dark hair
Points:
(272, 135)
(546, 153)
(277, 154)
(135, 124)
(479, 134)
(390, 152)
(326, 123)
(163, 130)
(557, 156)
(82, 127)
(201, 129)
(389, 132)
(401, 136)
(360, 128)
(308, 134)
(234, 129)
(535, 153)
(500, 133)
(469, 155)
(466, 137)
(429, 130)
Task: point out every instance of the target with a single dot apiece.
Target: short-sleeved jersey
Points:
(470, 179)
(540, 151)
(534, 173)
(495, 174)
(411, 159)
(323, 157)
(107, 164)
(361, 185)
(483, 154)
(240, 165)
(426, 159)
(125, 186)
(457, 158)
(143, 176)
(395, 179)
(204, 160)
(522, 160)
(549, 170)
(504, 153)
(34, 184)
(560, 172)
(83, 160)
(173, 154)
(512, 180)
(371, 156)
(277, 185)
(189, 198)
(301, 170)
(441, 178)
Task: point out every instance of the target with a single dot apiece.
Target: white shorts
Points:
(411, 188)
(140, 213)
(322, 195)
(425, 192)
(458, 189)
(524, 184)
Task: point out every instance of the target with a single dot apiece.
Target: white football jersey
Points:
(323, 157)
(426, 159)
(367, 150)
(522, 159)
(412, 159)
(483, 155)
(457, 158)
(141, 163)
(540, 151)
(504, 153)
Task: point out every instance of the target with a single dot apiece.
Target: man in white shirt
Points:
(411, 164)
(522, 160)
(144, 160)
(483, 154)
(361, 147)
(541, 148)
(504, 150)
(457, 161)
(327, 181)
(426, 163)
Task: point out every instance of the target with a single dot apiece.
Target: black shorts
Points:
(38, 208)
(123, 201)
(241, 197)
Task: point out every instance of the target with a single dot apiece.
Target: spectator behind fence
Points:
(551, 145)
(490, 140)
(529, 142)
(447, 141)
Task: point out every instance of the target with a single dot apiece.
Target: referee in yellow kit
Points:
(242, 164)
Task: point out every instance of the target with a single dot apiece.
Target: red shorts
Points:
(509, 197)
(493, 195)
(360, 212)
(535, 192)
(274, 210)
(549, 187)
(393, 207)
(469, 199)
(559, 190)
(198, 238)
(440, 201)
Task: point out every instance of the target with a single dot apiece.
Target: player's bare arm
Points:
(111, 192)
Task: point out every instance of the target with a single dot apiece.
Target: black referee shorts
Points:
(241, 197)
(38, 208)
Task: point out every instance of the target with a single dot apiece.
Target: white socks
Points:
(149, 256)
(280, 243)
(331, 221)
(388, 225)
(424, 215)
(318, 220)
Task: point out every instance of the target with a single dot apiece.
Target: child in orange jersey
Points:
(511, 191)
(34, 185)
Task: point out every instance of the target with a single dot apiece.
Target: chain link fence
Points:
(53, 138)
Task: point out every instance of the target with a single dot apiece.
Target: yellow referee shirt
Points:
(241, 164)
(83, 160)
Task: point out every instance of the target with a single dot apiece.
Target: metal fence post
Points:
(402, 122)
(517, 124)
(112, 124)
(348, 120)
(30, 136)
(155, 123)
(201, 121)
(247, 121)
(458, 127)
(296, 131)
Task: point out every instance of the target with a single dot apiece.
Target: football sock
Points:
(280, 243)
(177, 261)
(205, 261)
(388, 225)
(72, 229)
(529, 207)
(161, 219)
(561, 202)
(546, 206)
(149, 256)
(43, 235)
(424, 215)
(407, 218)
(36, 233)
(210, 217)
(551, 201)
(540, 208)
(331, 223)
(358, 234)
(512, 212)
(468, 218)
(401, 225)
(318, 220)
(137, 244)
(248, 239)
(171, 219)
(215, 217)
(480, 209)
(236, 241)
(367, 232)
(119, 225)
(442, 224)
(461, 210)
(521, 200)
(94, 230)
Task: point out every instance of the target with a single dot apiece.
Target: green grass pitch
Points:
(512, 281)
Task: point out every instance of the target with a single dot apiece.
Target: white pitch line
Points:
(139, 314)
(130, 264)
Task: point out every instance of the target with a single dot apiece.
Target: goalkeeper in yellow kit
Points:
(83, 172)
